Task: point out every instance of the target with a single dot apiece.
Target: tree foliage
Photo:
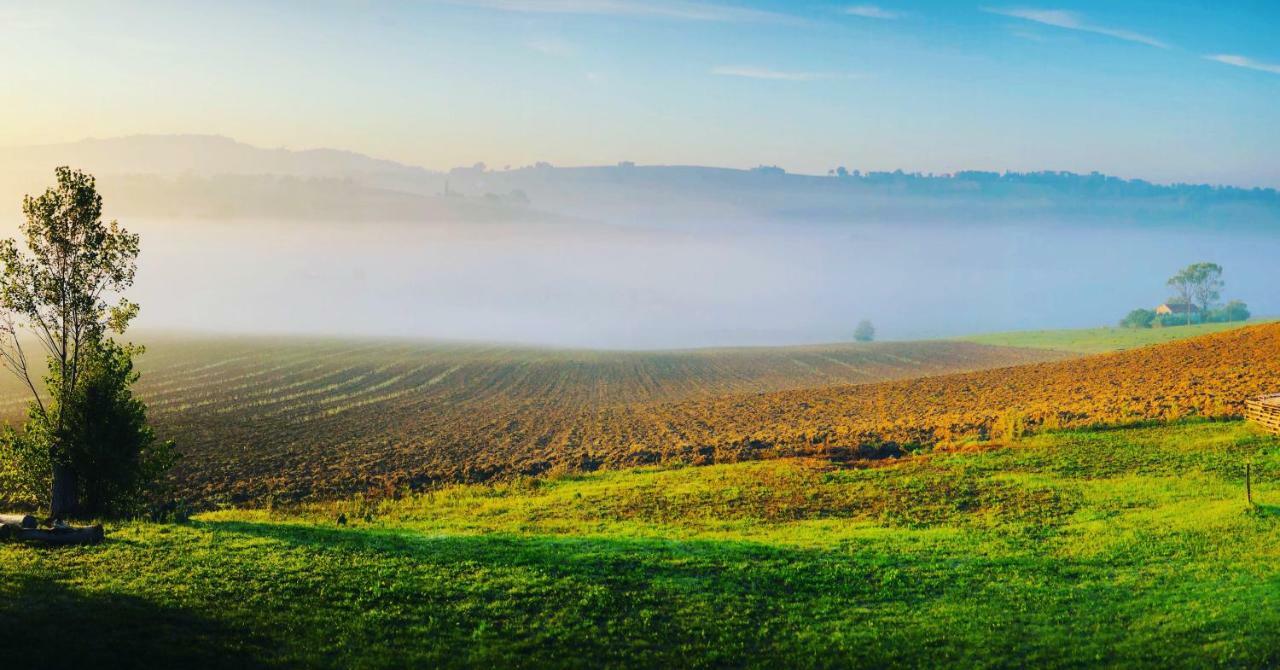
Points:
(865, 332)
(1207, 285)
(1138, 318)
(1181, 283)
(1236, 310)
(63, 291)
(105, 437)
(1198, 284)
(109, 435)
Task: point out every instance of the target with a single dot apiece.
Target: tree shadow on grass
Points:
(707, 565)
(49, 624)
(399, 598)
(642, 560)
(539, 599)
(1264, 510)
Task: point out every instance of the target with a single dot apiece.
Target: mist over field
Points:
(327, 242)
(605, 286)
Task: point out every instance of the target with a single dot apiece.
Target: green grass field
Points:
(1100, 340)
(1124, 547)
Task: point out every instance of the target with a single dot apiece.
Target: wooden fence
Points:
(1265, 411)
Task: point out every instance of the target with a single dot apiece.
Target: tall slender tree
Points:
(1183, 284)
(1207, 285)
(64, 291)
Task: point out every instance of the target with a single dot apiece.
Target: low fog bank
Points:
(243, 239)
(599, 286)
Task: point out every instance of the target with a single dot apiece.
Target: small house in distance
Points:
(1176, 308)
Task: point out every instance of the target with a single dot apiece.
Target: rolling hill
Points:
(1209, 376)
(1100, 340)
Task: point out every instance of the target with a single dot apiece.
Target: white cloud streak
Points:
(551, 47)
(683, 10)
(872, 12)
(1245, 62)
(1073, 21)
(749, 72)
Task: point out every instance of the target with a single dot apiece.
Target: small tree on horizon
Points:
(1207, 289)
(1198, 285)
(865, 332)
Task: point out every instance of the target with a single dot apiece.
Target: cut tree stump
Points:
(19, 520)
(24, 528)
(70, 535)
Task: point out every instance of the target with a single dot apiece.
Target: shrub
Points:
(1235, 310)
(103, 429)
(1138, 318)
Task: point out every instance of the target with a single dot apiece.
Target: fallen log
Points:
(19, 520)
(58, 535)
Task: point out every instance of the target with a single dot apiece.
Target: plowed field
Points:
(305, 417)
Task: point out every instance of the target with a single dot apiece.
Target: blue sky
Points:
(1170, 91)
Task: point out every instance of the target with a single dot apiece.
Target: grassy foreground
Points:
(1101, 340)
(1128, 547)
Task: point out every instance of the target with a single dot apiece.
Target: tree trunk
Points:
(64, 501)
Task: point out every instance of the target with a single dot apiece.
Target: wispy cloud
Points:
(872, 12)
(1246, 62)
(749, 72)
(684, 10)
(1073, 21)
(551, 46)
(1029, 35)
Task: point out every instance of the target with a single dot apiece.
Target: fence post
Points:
(1248, 483)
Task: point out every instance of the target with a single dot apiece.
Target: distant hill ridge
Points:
(192, 169)
(206, 155)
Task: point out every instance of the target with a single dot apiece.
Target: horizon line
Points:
(621, 163)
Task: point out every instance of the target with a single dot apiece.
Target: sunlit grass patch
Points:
(1099, 340)
(1130, 547)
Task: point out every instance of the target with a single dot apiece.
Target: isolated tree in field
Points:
(865, 332)
(55, 298)
(1198, 284)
